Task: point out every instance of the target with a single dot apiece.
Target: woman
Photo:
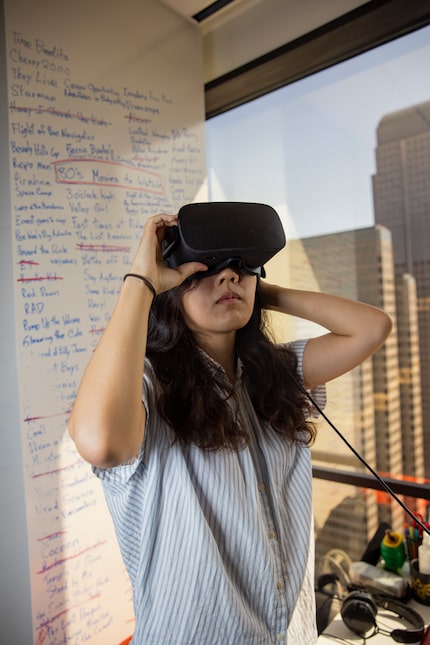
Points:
(209, 481)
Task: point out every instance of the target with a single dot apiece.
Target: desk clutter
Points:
(412, 548)
(394, 570)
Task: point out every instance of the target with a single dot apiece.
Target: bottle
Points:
(424, 554)
(393, 551)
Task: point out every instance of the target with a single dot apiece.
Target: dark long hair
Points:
(197, 411)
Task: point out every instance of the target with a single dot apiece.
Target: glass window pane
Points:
(344, 157)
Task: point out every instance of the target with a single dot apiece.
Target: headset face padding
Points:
(359, 610)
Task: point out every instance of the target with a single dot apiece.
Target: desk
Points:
(338, 632)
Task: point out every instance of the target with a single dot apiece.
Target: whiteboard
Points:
(106, 127)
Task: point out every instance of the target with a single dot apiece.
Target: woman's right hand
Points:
(148, 260)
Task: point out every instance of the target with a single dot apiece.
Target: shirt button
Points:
(261, 487)
(280, 637)
(280, 586)
(271, 535)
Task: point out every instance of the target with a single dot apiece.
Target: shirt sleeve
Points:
(122, 473)
(318, 394)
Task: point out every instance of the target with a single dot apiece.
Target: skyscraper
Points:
(401, 193)
(367, 405)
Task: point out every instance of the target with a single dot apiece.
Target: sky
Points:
(309, 149)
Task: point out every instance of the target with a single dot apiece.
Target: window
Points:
(328, 153)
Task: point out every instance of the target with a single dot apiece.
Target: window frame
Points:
(370, 25)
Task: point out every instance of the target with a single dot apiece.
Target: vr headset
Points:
(221, 234)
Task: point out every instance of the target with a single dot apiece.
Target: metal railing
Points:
(364, 480)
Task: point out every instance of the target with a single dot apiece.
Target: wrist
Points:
(144, 280)
(270, 295)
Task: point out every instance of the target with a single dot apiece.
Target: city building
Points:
(369, 405)
(401, 193)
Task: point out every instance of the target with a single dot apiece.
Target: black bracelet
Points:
(145, 280)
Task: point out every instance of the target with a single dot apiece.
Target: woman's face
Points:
(221, 303)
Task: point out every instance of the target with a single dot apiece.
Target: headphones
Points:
(359, 610)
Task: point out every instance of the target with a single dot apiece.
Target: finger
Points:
(189, 268)
(162, 222)
(163, 219)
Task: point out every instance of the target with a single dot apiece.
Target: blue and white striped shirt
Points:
(218, 545)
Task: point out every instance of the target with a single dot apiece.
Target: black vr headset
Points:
(220, 234)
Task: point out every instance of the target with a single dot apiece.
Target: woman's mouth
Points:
(230, 297)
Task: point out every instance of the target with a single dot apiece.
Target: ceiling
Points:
(235, 32)
(201, 11)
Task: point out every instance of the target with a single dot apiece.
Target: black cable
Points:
(363, 461)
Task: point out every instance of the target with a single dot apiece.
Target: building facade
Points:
(370, 404)
(401, 194)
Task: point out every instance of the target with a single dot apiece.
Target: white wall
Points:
(15, 609)
(84, 87)
(243, 33)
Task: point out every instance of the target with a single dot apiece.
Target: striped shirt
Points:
(218, 545)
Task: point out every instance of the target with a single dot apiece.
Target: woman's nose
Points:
(229, 274)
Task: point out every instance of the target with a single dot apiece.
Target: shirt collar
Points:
(218, 371)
